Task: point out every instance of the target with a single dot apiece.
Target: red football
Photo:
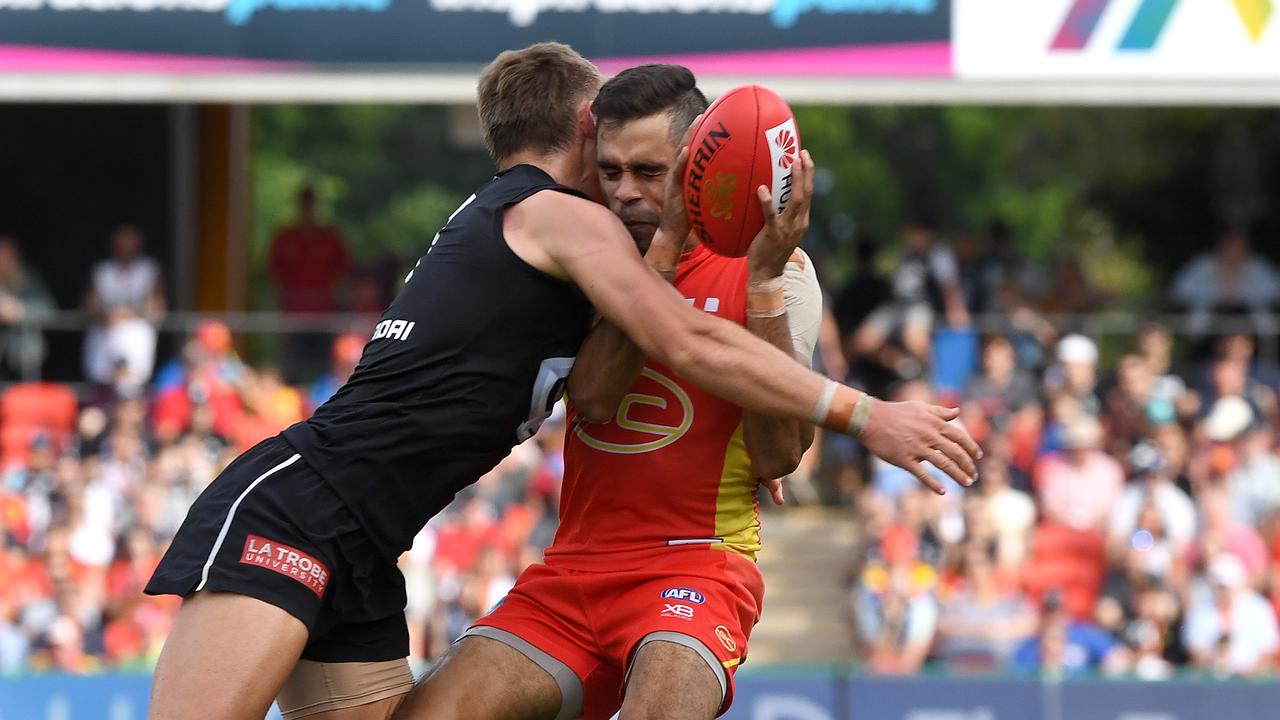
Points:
(747, 138)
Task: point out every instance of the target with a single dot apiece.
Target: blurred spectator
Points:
(1220, 533)
(307, 263)
(23, 298)
(873, 359)
(1146, 558)
(984, 620)
(308, 260)
(1002, 268)
(1254, 484)
(204, 385)
(1070, 293)
(1010, 512)
(1081, 485)
(14, 646)
(1064, 646)
(270, 406)
(1131, 411)
(347, 349)
(1151, 636)
(1152, 486)
(1228, 380)
(1003, 389)
(895, 610)
(125, 298)
(1155, 347)
(1230, 280)
(1230, 629)
(1075, 376)
(925, 284)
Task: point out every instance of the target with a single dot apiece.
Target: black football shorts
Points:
(270, 527)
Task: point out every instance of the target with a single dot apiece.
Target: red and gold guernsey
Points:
(671, 469)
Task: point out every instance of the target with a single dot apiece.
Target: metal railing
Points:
(1265, 327)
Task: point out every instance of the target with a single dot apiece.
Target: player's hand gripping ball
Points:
(747, 138)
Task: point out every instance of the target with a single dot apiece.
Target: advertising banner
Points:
(777, 37)
(1118, 40)
(786, 694)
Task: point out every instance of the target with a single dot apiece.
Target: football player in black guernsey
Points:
(287, 561)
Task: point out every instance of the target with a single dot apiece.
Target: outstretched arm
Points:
(573, 238)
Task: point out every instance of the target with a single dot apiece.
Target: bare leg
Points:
(670, 682)
(483, 679)
(227, 657)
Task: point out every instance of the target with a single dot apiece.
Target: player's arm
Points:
(608, 362)
(572, 238)
(775, 445)
(607, 366)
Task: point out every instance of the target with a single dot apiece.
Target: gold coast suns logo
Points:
(645, 422)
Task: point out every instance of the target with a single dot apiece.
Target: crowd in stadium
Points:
(1127, 519)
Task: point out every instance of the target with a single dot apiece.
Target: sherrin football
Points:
(747, 138)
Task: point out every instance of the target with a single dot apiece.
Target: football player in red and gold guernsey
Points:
(650, 590)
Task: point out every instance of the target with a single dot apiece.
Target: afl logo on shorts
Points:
(726, 638)
(685, 594)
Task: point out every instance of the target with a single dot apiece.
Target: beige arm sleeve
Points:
(803, 297)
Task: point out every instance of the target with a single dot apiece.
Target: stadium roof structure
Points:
(459, 88)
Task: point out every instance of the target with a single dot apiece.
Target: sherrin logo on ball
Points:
(747, 138)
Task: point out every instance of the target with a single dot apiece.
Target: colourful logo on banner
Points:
(1148, 22)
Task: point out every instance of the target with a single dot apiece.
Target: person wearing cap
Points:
(1152, 482)
(1230, 629)
(1080, 485)
(1076, 374)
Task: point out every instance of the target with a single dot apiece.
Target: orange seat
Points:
(29, 409)
(46, 405)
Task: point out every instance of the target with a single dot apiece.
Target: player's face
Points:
(634, 159)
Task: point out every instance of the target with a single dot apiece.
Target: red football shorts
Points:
(591, 623)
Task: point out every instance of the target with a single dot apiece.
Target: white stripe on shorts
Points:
(226, 524)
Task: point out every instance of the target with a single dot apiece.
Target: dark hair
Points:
(528, 99)
(646, 90)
